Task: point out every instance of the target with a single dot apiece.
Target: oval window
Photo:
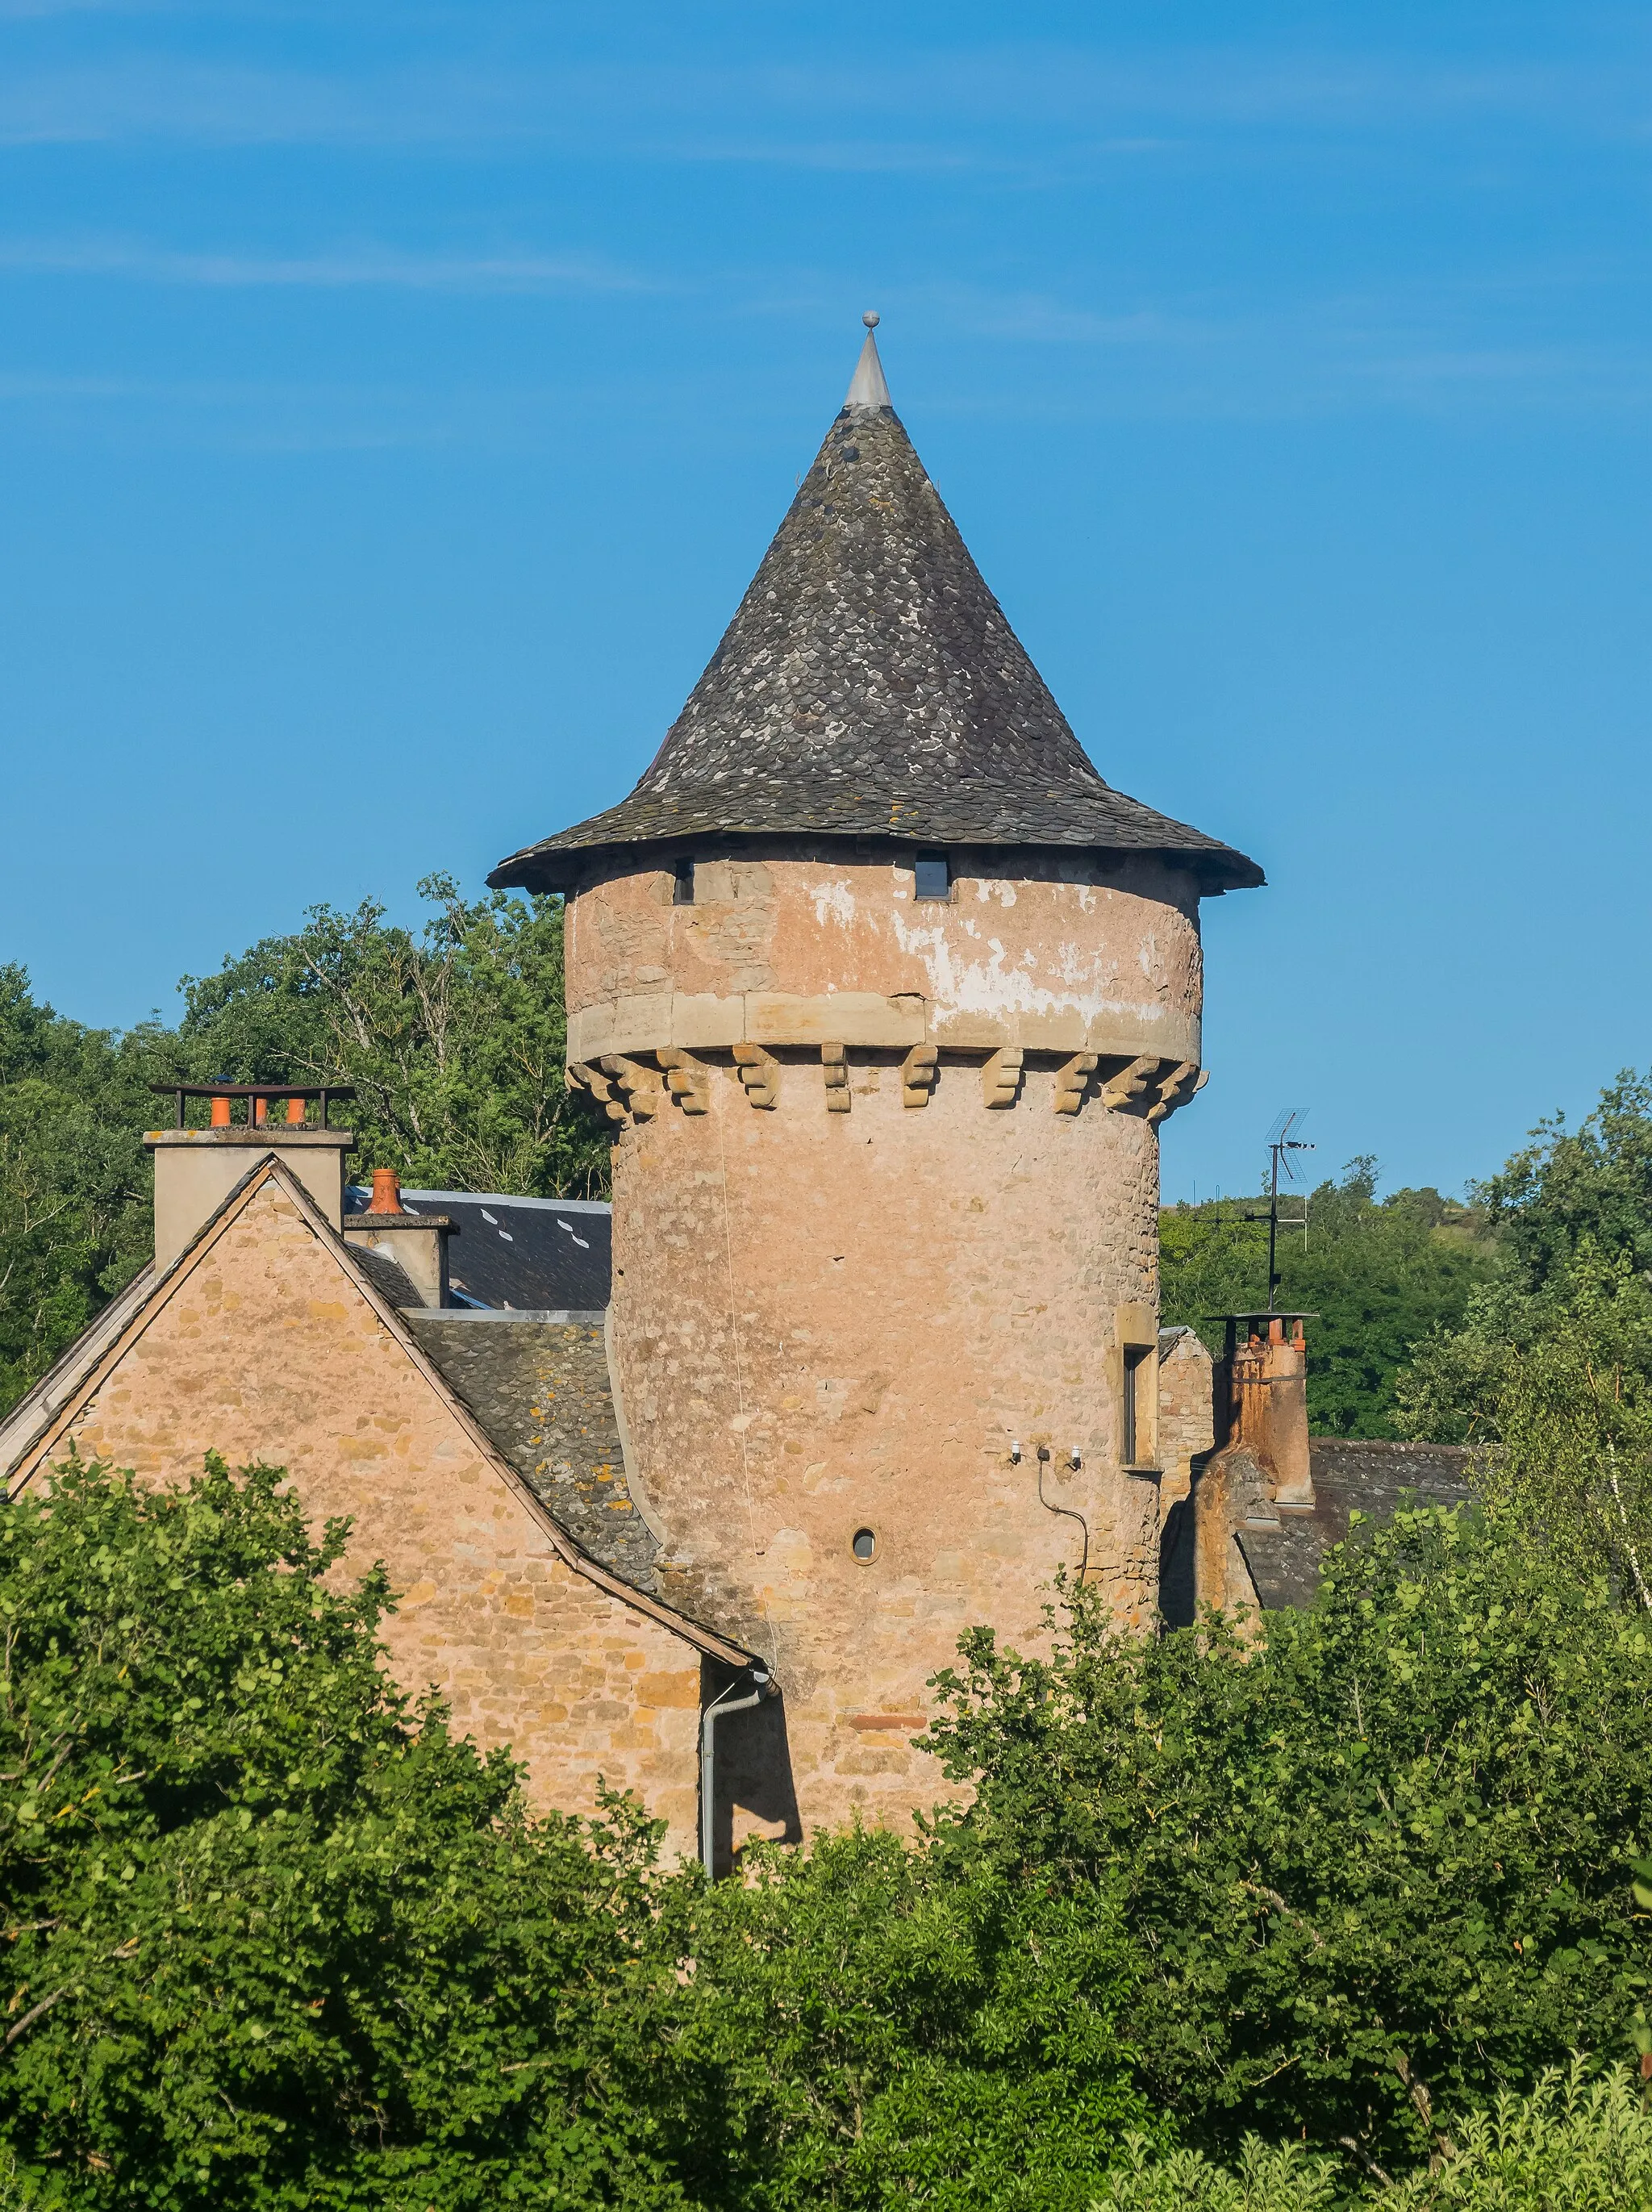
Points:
(865, 1546)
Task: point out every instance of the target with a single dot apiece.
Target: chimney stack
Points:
(196, 1170)
(1267, 1379)
(417, 1242)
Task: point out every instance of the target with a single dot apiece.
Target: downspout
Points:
(718, 1708)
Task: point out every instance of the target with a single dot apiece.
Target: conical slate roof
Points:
(869, 686)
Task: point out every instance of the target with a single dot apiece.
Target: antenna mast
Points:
(1283, 1140)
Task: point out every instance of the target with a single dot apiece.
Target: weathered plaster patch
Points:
(990, 987)
(837, 899)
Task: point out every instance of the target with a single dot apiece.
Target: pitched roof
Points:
(1374, 1479)
(43, 1424)
(542, 1392)
(870, 686)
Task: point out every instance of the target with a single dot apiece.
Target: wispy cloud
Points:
(994, 104)
(357, 265)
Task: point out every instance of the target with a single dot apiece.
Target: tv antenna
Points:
(1285, 1138)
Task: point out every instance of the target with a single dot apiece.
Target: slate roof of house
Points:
(1375, 1479)
(521, 1255)
(870, 685)
(540, 1391)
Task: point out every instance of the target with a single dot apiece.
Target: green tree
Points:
(74, 1179)
(1380, 1275)
(1376, 1854)
(274, 1938)
(888, 2026)
(454, 1039)
(1579, 2142)
(1551, 1367)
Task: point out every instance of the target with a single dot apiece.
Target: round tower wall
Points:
(866, 1268)
(1069, 952)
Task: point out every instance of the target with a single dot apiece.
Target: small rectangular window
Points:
(1136, 1357)
(933, 871)
(683, 883)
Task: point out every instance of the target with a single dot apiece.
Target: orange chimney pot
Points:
(386, 1192)
(296, 1113)
(220, 1113)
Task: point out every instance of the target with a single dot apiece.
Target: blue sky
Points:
(395, 400)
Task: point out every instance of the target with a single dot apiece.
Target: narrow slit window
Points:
(933, 871)
(683, 883)
(1135, 1422)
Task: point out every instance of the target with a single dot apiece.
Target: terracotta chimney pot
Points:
(386, 1192)
(296, 1113)
(260, 1112)
(220, 1113)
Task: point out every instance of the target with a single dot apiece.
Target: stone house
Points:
(887, 995)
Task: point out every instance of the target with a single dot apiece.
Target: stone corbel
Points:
(687, 1079)
(583, 1076)
(1073, 1081)
(835, 1067)
(1000, 1077)
(760, 1072)
(1127, 1085)
(919, 1071)
(1177, 1088)
(637, 1082)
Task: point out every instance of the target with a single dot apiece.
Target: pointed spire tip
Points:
(868, 387)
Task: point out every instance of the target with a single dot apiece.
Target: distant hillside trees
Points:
(1381, 1274)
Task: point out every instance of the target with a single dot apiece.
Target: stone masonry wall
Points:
(266, 1350)
(826, 1322)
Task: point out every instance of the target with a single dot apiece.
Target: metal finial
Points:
(868, 388)
(871, 318)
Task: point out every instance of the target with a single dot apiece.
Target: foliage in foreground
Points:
(888, 2026)
(1577, 2143)
(276, 1938)
(1378, 1868)
(273, 1939)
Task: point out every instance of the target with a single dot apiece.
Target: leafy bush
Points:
(277, 1939)
(274, 1939)
(1269, 2178)
(888, 2026)
(1375, 1861)
(1577, 2143)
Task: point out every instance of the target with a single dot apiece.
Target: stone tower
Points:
(888, 992)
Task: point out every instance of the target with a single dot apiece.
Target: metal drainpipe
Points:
(717, 1710)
